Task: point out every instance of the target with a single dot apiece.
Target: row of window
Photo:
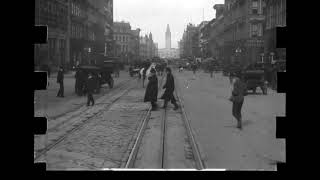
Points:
(121, 38)
(256, 29)
(276, 15)
(56, 46)
(256, 7)
(53, 8)
(124, 48)
(76, 10)
(79, 32)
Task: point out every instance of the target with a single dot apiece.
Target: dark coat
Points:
(91, 85)
(60, 77)
(239, 91)
(151, 93)
(169, 86)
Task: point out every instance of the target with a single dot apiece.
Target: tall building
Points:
(237, 33)
(54, 14)
(148, 48)
(189, 44)
(126, 41)
(77, 30)
(168, 52)
(276, 15)
(168, 37)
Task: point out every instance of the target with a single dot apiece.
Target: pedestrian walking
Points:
(168, 93)
(151, 94)
(144, 75)
(194, 68)
(231, 76)
(80, 81)
(211, 70)
(237, 98)
(60, 78)
(90, 88)
(117, 71)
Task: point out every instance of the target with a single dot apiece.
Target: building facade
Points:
(276, 15)
(52, 13)
(126, 42)
(148, 48)
(237, 32)
(189, 44)
(77, 30)
(243, 30)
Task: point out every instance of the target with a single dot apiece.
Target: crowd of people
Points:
(151, 93)
(85, 85)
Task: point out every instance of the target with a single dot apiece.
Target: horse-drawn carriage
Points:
(101, 71)
(254, 76)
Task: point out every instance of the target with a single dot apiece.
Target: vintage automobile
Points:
(107, 68)
(96, 72)
(254, 76)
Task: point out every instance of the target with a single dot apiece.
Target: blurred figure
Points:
(60, 78)
(231, 76)
(211, 70)
(151, 94)
(168, 93)
(237, 98)
(194, 68)
(142, 75)
(117, 71)
(131, 71)
(90, 88)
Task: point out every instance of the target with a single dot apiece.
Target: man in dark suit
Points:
(90, 88)
(60, 78)
(168, 93)
(151, 94)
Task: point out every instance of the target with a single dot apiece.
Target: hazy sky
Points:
(154, 15)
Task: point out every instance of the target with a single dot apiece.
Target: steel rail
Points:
(78, 127)
(199, 163)
(133, 153)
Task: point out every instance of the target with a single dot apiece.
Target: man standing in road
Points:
(237, 98)
(194, 68)
(141, 75)
(211, 70)
(90, 89)
(151, 94)
(168, 93)
(60, 78)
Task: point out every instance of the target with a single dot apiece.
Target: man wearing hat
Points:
(60, 78)
(237, 98)
(168, 93)
(151, 94)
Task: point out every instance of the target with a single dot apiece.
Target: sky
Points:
(154, 15)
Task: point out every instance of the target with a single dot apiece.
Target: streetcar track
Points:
(163, 147)
(109, 97)
(77, 127)
(80, 105)
(129, 163)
